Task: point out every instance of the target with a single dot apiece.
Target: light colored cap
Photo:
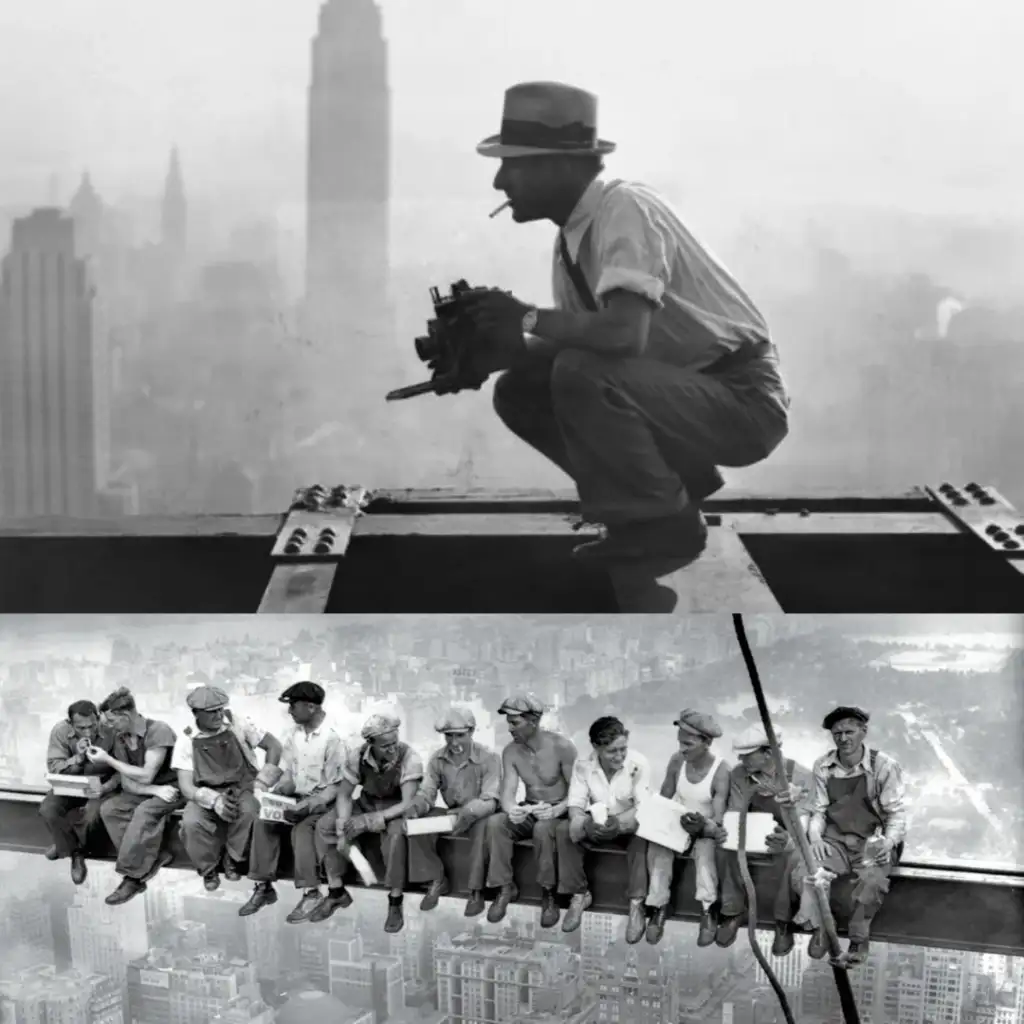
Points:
(379, 724)
(455, 719)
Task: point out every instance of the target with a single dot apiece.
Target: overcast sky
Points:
(915, 101)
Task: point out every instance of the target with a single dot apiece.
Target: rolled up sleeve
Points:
(892, 799)
(412, 767)
(490, 786)
(426, 796)
(336, 757)
(630, 251)
(579, 787)
(181, 757)
(251, 732)
(60, 756)
(818, 802)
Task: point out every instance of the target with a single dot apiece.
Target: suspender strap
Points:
(576, 275)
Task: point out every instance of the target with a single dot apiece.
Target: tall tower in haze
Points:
(348, 174)
(174, 210)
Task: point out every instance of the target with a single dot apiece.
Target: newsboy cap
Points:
(207, 698)
(521, 704)
(455, 719)
(379, 724)
(697, 721)
(858, 714)
(753, 738)
(312, 692)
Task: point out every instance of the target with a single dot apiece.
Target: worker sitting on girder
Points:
(754, 786)
(218, 773)
(542, 761)
(467, 776)
(654, 367)
(389, 772)
(699, 780)
(605, 792)
(312, 761)
(857, 826)
(136, 816)
(69, 819)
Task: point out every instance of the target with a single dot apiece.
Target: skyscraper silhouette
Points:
(174, 211)
(54, 411)
(348, 173)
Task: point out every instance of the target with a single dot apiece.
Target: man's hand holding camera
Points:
(498, 318)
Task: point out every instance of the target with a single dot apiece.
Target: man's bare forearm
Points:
(600, 332)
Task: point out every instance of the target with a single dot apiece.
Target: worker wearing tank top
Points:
(699, 781)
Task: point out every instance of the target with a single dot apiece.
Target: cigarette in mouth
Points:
(494, 213)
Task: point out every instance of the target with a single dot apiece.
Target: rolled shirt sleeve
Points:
(160, 734)
(61, 758)
(641, 781)
(181, 757)
(579, 786)
(426, 797)
(892, 798)
(250, 732)
(490, 786)
(412, 767)
(818, 801)
(631, 253)
(350, 765)
(336, 755)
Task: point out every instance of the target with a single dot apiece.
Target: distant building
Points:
(313, 1007)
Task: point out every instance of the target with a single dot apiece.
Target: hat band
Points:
(535, 135)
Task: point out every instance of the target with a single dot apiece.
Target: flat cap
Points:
(120, 700)
(753, 738)
(697, 721)
(521, 704)
(207, 698)
(859, 714)
(313, 692)
(455, 719)
(379, 724)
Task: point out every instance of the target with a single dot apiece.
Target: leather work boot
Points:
(506, 894)
(128, 889)
(231, 873)
(475, 904)
(395, 921)
(549, 912)
(262, 896)
(708, 928)
(51, 853)
(310, 900)
(728, 929)
(784, 939)
(673, 542)
(434, 893)
(79, 869)
(211, 881)
(637, 923)
(336, 899)
(858, 951)
(656, 925)
(818, 946)
(574, 915)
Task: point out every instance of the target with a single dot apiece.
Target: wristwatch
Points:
(530, 320)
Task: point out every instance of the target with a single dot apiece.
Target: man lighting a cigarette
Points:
(653, 368)
(467, 776)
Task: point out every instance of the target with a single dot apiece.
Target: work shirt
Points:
(248, 734)
(314, 759)
(622, 792)
(623, 235)
(62, 757)
(360, 760)
(886, 789)
(470, 784)
(147, 734)
(757, 792)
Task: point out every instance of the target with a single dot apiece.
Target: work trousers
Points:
(661, 865)
(425, 864)
(503, 837)
(842, 861)
(391, 844)
(206, 836)
(69, 821)
(636, 435)
(266, 850)
(137, 826)
(572, 878)
(734, 895)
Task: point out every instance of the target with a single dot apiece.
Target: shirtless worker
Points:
(467, 777)
(698, 779)
(136, 816)
(543, 762)
(68, 819)
(218, 772)
(653, 369)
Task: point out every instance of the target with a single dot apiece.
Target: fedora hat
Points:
(546, 117)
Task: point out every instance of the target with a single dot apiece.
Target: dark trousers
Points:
(391, 844)
(69, 821)
(503, 837)
(137, 826)
(206, 837)
(266, 850)
(637, 435)
(734, 895)
(425, 864)
(572, 878)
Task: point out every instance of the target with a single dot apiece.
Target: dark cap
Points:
(859, 714)
(312, 692)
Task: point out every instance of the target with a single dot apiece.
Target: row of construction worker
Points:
(851, 805)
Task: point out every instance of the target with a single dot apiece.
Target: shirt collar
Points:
(581, 216)
(832, 758)
(369, 759)
(475, 754)
(627, 765)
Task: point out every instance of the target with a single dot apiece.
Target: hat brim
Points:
(492, 146)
